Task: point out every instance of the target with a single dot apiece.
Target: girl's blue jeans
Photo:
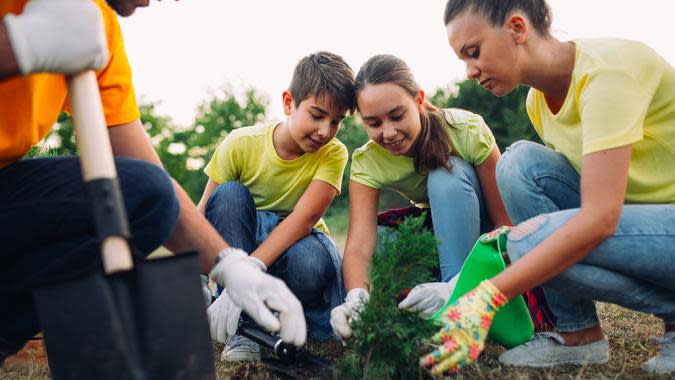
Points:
(307, 267)
(458, 213)
(634, 268)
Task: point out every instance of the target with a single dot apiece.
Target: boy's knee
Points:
(226, 199)
(309, 271)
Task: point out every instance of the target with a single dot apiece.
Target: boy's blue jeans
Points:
(458, 213)
(47, 230)
(634, 268)
(306, 266)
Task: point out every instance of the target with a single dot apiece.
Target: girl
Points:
(445, 158)
(595, 205)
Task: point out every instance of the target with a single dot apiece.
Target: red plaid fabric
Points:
(394, 217)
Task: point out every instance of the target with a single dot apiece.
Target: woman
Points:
(595, 205)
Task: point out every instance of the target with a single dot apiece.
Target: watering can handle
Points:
(98, 171)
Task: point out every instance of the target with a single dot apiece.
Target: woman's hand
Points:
(465, 326)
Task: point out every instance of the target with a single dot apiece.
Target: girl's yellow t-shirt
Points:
(621, 93)
(31, 104)
(247, 155)
(374, 166)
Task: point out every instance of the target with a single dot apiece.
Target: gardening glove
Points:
(427, 299)
(465, 326)
(259, 294)
(58, 36)
(223, 318)
(341, 316)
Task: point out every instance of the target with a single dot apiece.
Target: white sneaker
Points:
(240, 349)
(548, 349)
(664, 362)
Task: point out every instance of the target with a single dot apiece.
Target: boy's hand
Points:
(259, 294)
(465, 326)
(341, 316)
(58, 36)
(427, 299)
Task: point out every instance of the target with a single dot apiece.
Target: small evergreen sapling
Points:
(387, 339)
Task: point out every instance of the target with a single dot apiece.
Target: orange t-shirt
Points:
(30, 105)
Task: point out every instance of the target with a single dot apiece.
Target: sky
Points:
(184, 52)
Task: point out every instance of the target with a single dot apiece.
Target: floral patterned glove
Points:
(465, 326)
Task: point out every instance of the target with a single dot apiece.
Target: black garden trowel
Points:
(284, 358)
(137, 320)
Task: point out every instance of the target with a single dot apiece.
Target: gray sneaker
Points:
(240, 349)
(664, 362)
(548, 349)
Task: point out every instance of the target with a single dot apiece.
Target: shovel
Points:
(140, 320)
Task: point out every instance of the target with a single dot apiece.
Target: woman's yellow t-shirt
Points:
(621, 93)
(31, 104)
(247, 155)
(374, 166)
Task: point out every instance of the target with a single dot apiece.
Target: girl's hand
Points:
(465, 326)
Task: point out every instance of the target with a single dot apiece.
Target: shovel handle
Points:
(97, 163)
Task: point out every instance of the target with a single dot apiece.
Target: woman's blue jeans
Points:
(306, 266)
(634, 268)
(47, 230)
(458, 213)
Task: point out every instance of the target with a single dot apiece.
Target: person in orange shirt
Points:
(45, 218)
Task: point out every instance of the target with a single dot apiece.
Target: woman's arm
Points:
(493, 200)
(361, 235)
(603, 187)
(208, 190)
(298, 224)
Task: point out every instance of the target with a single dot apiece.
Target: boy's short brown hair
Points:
(324, 74)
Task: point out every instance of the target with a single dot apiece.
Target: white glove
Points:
(248, 287)
(223, 318)
(58, 36)
(341, 316)
(427, 299)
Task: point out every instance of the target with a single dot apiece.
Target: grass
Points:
(628, 332)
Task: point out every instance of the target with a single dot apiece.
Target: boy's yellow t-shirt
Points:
(622, 92)
(31, 104)
(247, 155)
(374, 166)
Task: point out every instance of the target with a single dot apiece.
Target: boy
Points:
(268, 187)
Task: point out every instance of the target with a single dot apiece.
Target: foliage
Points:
(353, 135)
(506, 115)
(184, 151)
(387, 339)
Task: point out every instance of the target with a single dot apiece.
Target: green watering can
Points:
(512, 324)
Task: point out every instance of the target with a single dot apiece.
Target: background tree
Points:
(506, 115)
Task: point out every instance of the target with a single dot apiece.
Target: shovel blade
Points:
(84, 333)
(89, 335)
(175, 330)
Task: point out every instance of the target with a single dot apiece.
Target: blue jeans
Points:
(458, 213)
(633, 268)
(47, 232)
(306, 266)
